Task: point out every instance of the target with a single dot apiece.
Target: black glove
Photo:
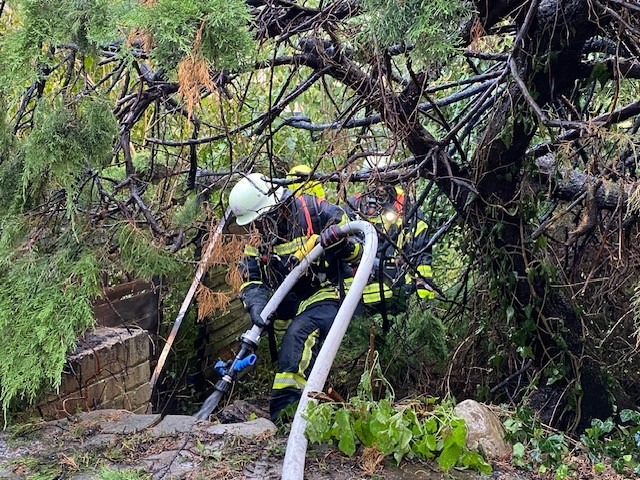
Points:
(254, 313)
(331, 236)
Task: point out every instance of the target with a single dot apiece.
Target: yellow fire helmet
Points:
(312, 187)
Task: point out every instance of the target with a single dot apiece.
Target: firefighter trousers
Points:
(300, 347)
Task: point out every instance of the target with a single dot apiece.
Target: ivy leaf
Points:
(475, 461)
(347, 441)
(361, 427)
(518, 450)
(426, 446)
(318, 423)
(630, 416)
(449, 455)
(431, 425)
(459, 433)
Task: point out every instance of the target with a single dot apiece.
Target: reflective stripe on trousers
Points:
(300, 347)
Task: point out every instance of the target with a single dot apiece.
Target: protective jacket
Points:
(391, 276)
(314, 301)
(264, 267)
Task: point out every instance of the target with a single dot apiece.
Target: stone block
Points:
(128, 389)
(119, 421)
(138, 397)
(259, 427)
(116, 403)
(485, 433)
(131, 423)
(109, 368)
(107, 351)
(144, 409)
(122, 383)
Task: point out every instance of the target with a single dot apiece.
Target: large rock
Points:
(485, 433)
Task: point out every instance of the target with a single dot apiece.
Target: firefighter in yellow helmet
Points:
(312, 187)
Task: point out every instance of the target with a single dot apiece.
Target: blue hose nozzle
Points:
(247, 361)
(222, 367)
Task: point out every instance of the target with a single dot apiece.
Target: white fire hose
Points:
(294, 460)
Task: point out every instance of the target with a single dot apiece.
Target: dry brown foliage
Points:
(227, 251)
(139, 36)
(371, 460)
(210, 301)
(193, 75)
(477, 32)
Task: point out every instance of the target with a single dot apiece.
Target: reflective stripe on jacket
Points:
(410, 237)
(295, 221)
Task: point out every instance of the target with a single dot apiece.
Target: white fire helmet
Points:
(252, 197)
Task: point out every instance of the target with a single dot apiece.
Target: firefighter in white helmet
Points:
(287, 224)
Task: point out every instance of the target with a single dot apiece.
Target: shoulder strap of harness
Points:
(307, 215)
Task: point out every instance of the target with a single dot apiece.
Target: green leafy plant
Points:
(46, 301)
(138, 253)
(45, 304)
(619, 442)
(422, 427)
(535, 447)
(173, 25)
(429, 26)
(65, 143)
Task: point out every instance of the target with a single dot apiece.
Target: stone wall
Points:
(112, 365)
(109, 369)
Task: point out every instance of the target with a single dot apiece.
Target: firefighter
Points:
(312, 187)
(288, 224)
(392, 278)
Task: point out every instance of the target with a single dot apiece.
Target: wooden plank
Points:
(142, 310)
(240, 323)
(234, 317)
(212, 348)
(129, 288)
(131, 303)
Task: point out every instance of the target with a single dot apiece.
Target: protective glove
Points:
(331, 236)
(424, 290)
(254, 313)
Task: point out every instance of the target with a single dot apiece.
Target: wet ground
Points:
(150, 447)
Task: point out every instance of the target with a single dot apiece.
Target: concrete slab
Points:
(7, 474)
(171, 464)
(174, 424)
(251, 429)
(99, 440)
(120, 421)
